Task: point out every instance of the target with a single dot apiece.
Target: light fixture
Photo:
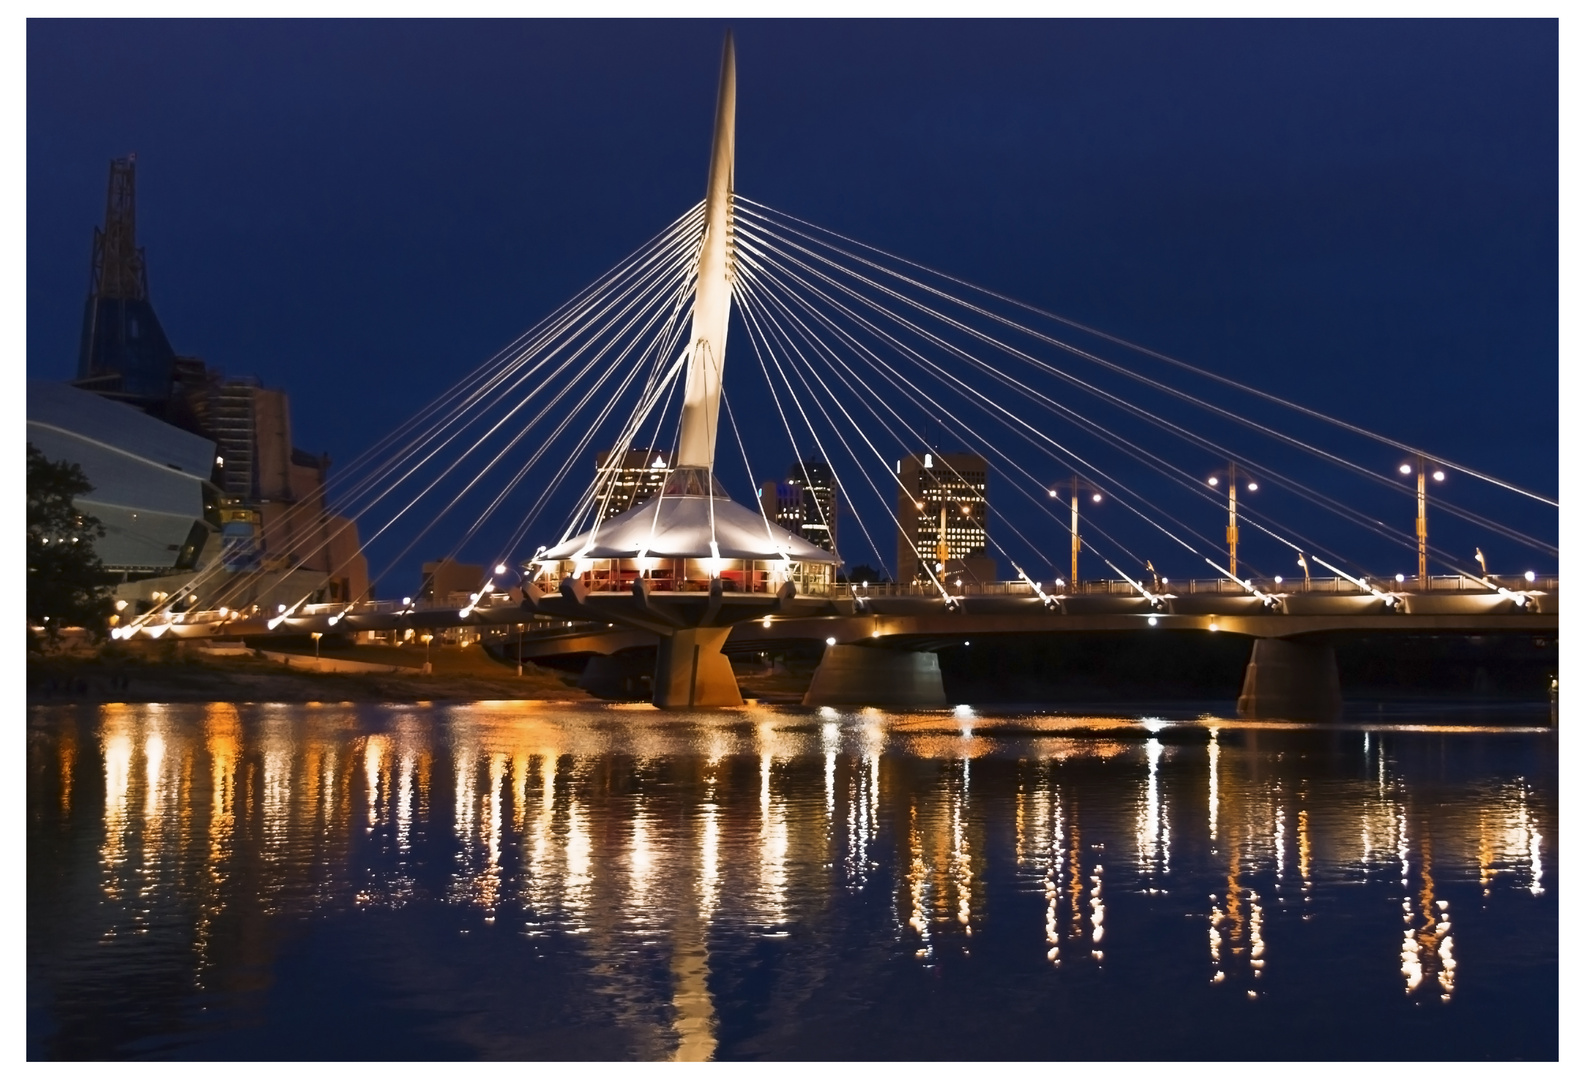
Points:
(1151, 620)
(1439, 475)
(1253, 486)
(1405, 469)
(1096, 497)
(1529, 575)
(1214, 481)
(965, 643)
(1276, 580)
(831, 641)
(500, 568)
(1052, 493)
(765, 622)
(1398, 578)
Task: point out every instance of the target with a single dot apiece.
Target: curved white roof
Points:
(147, 476)
(680, 526)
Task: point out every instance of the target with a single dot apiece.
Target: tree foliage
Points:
(67, 584)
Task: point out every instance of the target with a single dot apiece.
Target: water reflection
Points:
(654, 862)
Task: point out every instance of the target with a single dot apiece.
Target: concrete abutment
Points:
(1291, 680)
(854, 675)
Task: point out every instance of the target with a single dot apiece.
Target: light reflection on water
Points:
(501, 880)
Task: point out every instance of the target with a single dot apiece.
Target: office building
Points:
(782, 502)
(636, 479)
(944, 510)
(814, 478)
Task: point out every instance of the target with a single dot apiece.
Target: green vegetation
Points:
(67, 584)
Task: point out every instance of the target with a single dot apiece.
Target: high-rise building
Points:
(782, 502)
(636, 479)
(818, 486)
(943, 509)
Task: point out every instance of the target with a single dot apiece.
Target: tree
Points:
(865, 572)
(67, 584)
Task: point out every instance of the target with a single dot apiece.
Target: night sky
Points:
(1359, 215)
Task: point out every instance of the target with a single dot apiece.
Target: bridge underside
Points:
(875, 649)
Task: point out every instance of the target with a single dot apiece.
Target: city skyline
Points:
(1346, 201)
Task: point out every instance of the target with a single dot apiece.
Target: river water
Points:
(513, 880)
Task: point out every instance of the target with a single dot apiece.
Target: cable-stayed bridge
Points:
(984, 452)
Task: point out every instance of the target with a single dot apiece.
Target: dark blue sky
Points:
(1359, 215)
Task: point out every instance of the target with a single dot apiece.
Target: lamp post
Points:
(501, 570)
(427, 669)
(1076, 487)
(1418, 468)
(316, 635)
(1232, 477)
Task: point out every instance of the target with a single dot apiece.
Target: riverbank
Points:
(166, 672)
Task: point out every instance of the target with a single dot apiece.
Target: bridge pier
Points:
(692, 673)
(1291, 680)
(856, 675)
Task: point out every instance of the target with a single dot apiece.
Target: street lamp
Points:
(1438, 475)
(501, 570)
(1233, 479)
(1076, 487)
(426, 640)
(316, 635)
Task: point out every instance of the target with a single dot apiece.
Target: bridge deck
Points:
(911, 616)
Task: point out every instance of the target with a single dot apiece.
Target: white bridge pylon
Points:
(712, 304)
(665, 565)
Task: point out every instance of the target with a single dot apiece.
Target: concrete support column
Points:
(856, 675)
(1290, 680)
(692, 673)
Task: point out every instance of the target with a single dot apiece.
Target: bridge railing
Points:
(877, 590)
(1202, 586)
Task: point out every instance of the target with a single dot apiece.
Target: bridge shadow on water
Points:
(1183, 673)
